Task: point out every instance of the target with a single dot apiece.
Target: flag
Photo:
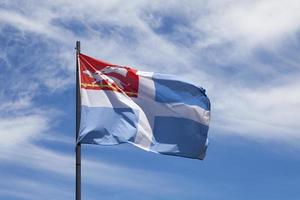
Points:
(156, 112)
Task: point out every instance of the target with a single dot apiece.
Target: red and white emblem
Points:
(99, 75)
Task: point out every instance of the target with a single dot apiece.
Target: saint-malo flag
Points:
(156, 112)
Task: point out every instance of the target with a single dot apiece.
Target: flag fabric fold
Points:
(155, 112)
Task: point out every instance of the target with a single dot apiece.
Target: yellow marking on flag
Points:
(104, 86)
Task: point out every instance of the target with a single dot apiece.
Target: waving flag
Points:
(156, 112)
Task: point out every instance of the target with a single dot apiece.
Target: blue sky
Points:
(244, 53)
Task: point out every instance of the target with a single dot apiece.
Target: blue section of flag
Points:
(171, 122)
(170, 89)
(107, 126)
(180, 137)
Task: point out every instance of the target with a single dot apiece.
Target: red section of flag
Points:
(99, 75)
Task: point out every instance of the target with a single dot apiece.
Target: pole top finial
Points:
(77, 46)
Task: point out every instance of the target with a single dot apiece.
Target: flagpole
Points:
(78, 146)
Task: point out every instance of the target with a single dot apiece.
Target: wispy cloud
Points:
(30, 189)
(16, 130)
(253, 23)
(267, 112)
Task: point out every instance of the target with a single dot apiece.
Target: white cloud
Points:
(269, 112)
(30, 189)
(32, 24)
(17, 130)
(252, 22)
(19, 104)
